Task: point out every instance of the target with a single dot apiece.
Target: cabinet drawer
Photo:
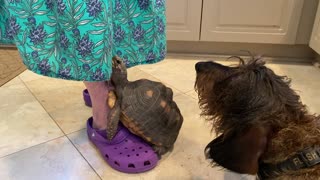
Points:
(253, 21)
(183, 19)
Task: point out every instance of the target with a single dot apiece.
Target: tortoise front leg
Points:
(113, 121)
(114, 115)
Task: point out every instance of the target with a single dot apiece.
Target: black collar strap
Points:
(303, 159)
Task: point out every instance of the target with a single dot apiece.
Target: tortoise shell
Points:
(148, 110)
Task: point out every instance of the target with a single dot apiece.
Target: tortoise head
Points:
(119, 71)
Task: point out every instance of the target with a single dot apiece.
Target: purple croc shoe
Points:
(126, 152)
(86, 98)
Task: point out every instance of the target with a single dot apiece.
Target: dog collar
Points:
(303, 159)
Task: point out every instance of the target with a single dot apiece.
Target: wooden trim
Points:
(298, 52)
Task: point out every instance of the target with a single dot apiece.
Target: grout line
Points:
(65, 134)
(186, 93)
(43, 107)
(166, 84)
(83, 156)
(148, 74)
(75, 131)
(7, 155)
(48, 115)
(32, 146)
(31, 79)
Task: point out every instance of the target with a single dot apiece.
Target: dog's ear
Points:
(241, 151)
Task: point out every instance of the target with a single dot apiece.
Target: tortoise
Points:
(145, 107)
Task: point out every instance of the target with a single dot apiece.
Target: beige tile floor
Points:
(43, 136)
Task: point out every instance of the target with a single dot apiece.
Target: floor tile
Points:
(54, 160)
(178, 73)
(63, 100)
(136, 74)
(23, 121)
(14, 81)
(174, 73)
(192, 94)
(28, 75)
(305, 81)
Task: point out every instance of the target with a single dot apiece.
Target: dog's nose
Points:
(198, 66)
(210, 66)
(201, 66)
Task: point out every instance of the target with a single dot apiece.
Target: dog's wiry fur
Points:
(259, 118)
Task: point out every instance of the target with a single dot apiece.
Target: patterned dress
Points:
(76, 39)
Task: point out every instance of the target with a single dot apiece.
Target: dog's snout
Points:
(199, 66)
(209, 66)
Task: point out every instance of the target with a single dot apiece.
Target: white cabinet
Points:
(315, 37)
(254, 21)
(183, 19)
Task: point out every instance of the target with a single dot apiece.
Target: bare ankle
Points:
(98, 94)
(99, 126)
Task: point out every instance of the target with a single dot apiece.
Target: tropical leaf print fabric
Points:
(76, 39)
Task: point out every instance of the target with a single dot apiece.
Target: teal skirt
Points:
(76, 39)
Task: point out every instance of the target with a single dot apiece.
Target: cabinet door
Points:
(254, 21)
(183, 19)
(315, 37)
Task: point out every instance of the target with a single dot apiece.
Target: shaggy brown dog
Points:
(262, 125)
